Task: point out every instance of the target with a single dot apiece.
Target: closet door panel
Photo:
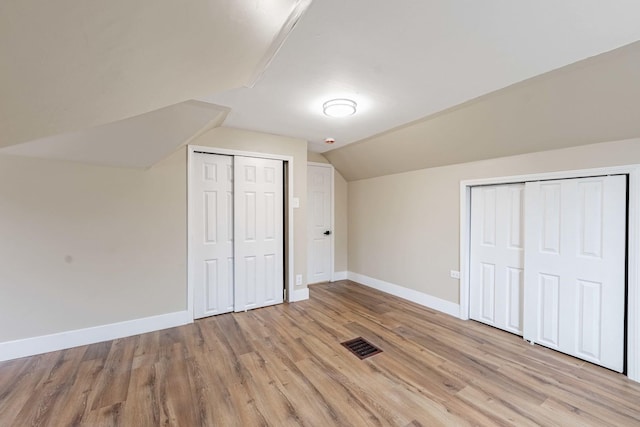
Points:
(496, 257)
(212, 191)
(259, 232)
(575, 267)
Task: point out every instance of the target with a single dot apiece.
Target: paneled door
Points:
(319, 226)
(259, 232)
(575, 267)
(497, 256)
(212, 188)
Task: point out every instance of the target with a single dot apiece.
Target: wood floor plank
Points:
(39, 409)
(236, 337)
(16, 393)
(295, 385)
(284, 365)
(142, 407)
(114, 380)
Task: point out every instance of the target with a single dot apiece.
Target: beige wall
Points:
(404, 228)
(83, 246)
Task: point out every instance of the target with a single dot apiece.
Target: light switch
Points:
(454, 274)
(295, 202)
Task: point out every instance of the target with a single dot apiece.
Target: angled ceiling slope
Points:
(404, 60)
(136, 142)
(595, 100)
(69, 65)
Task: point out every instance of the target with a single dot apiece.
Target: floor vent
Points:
(361, 347)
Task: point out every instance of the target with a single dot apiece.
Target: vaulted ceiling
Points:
(404, 60)
(137, 142)
(78, 75)
(591, 101)
(71, 65)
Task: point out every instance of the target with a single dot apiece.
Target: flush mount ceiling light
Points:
(339, 107)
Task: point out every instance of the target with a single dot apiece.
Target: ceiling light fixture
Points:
(339, 108)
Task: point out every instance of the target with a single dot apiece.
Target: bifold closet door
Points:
(496, 258)
(259, 232)
(212, 192)
(575, 267)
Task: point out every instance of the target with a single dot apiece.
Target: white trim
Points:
(340, 275)
(423, 299)
(633, 247)
(299, 295)
(578, 173)
(190, 212)
(290, 220)
(465, 230)
(64, 340)
(633, 277)
(229, 152)
(333, 224)
(332, 239)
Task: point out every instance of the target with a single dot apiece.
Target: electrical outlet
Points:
(454, 274)
(298, 279)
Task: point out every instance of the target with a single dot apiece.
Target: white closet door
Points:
(319, 226)
(259, 232)
(575, 267)
(496, 264)
(212, 187)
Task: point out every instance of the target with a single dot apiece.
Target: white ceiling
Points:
(402, 61)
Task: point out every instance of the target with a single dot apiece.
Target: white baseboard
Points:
(299, 295)
(63, 340)
(339, 275)
(423, 299)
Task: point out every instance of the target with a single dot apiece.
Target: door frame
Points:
(633, 244)
(288, 216)
(332, 240)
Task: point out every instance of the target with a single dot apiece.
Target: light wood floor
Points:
(284, 365)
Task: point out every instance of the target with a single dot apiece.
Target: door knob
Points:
(326, 233)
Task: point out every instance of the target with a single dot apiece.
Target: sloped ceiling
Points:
(592, 101)
(404, 60)
(136, 142)
(68, 65)
(71, 69)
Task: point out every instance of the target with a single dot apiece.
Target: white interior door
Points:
(575, 267)
(212, 192)
(319, 223)
(496, 256)
(259, 232)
